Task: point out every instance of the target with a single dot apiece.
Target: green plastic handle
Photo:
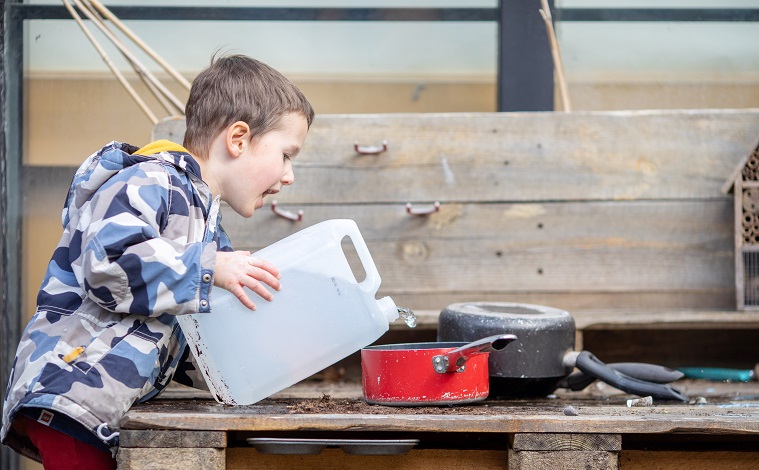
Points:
(718, 374)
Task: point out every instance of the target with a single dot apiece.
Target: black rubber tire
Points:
(530, 366)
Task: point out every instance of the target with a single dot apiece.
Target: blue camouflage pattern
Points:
(139, 247)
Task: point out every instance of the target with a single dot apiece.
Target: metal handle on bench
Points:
(370, 149)
(287, 214)
(425, 211)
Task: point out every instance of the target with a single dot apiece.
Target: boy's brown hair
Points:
(238, 88)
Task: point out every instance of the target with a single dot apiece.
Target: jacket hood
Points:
(106, 162)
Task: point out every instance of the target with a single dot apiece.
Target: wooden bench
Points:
(617, 217)
(602, 433)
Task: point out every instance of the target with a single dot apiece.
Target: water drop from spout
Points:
(408, 316)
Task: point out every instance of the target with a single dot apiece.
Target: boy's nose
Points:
(288, 177)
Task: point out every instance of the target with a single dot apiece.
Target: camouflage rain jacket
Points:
(139, 247)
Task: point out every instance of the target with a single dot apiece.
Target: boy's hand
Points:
(237, 269)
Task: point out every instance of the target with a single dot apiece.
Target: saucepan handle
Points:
(455, 360)
(591, 365)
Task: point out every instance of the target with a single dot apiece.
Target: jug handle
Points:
(372, 282)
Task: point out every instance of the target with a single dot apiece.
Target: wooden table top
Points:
(715, 408)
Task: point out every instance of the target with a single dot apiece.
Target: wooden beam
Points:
(129, 458)
(639, 319)
(498, 417)
(516, 157)
(553, 442)
(333, 459)
(164, 438)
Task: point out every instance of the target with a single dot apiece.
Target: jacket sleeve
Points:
(135, 256)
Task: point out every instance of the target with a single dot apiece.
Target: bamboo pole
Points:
(558, 66)
(115, 20)
(167, 105)
(142, 71)
(143, 106)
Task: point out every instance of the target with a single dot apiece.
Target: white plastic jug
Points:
(321, 315)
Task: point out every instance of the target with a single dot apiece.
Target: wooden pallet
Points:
(518, 434)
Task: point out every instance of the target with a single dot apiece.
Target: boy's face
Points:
(265, 165)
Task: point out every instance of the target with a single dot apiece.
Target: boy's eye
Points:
(287, 157)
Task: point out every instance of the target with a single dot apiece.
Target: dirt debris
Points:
(329, 405)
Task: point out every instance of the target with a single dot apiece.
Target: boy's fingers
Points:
(265, 277)
(265, 265)
(243, 298)
(259, 288)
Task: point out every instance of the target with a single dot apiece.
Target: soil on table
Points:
(328, 405)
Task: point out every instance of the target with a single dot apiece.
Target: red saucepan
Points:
(422, 374)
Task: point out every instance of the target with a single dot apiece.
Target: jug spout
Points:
(392, 312)
(388, 308)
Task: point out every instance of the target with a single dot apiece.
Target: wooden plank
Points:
(631, 318)
(475, 250)
(499, 417)
(565, 460)
(155, 438)
(679, 460)
(170, 459)
(468, 157)
(557, 442)
(664, 319)
(336, 459)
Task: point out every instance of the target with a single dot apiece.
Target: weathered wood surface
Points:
(531, 441)
(335, 459)
(533, 431)
(565, 460)
(500, 418)
(678, 460)
(475, 157)
(439, 459)
(666, 254)
(171, 458)
(675, 251)
(581, 210)
(157, 438)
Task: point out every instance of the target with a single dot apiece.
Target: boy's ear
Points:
(237, 138)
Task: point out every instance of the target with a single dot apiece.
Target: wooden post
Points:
(539, 451)
(171, 450)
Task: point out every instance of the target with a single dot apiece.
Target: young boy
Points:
(142, 243)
